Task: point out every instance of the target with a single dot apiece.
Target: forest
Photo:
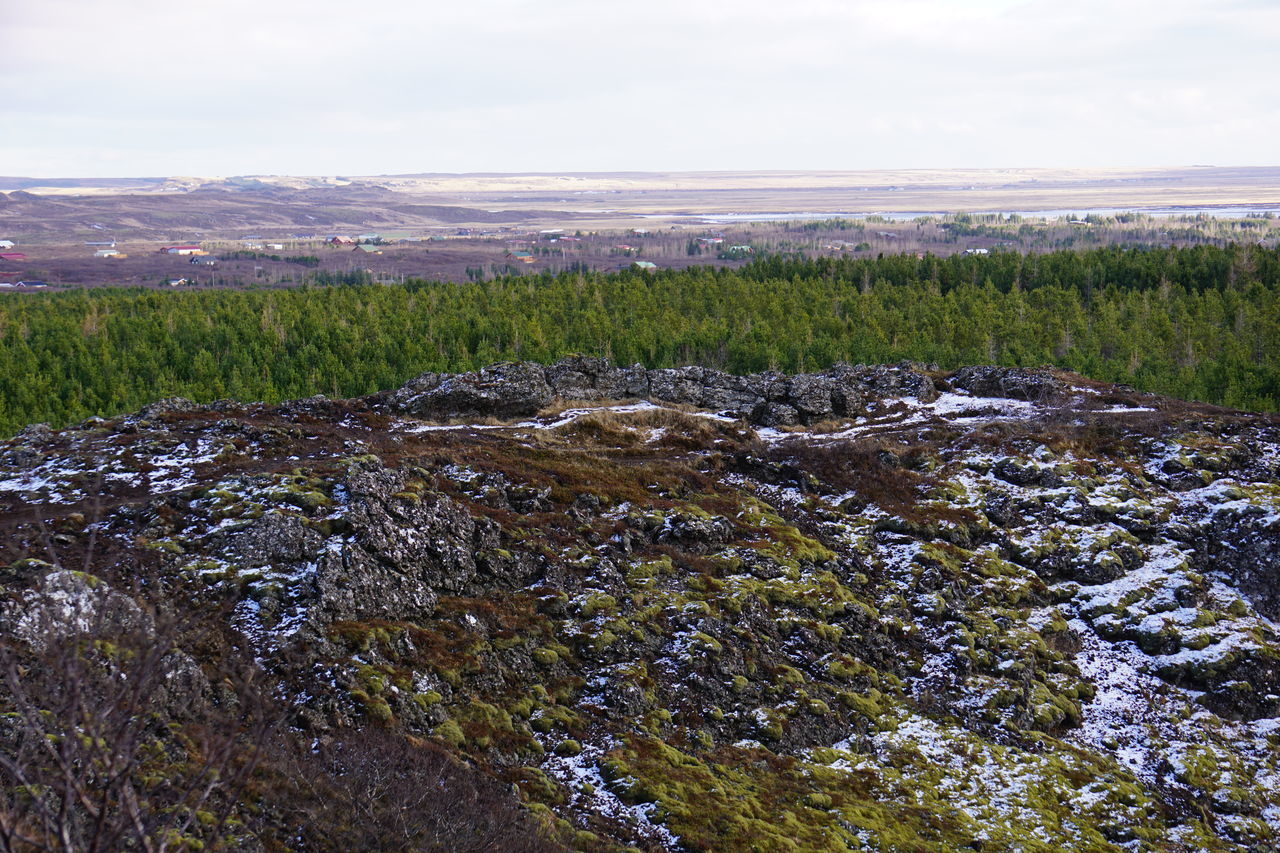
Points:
(1199, 323)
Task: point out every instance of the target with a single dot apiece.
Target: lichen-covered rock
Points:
(520, 389)
(1015, 383)
(1245, 546)
(407, 548)
(738, 395)
(507, 390)
(677, 385)
(271, 540)
(169, 405)
(810, 396)
(775, 414)
(583, 378)
(65, 604)
(905, 379)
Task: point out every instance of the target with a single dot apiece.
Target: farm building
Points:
(340, 241)
(647, 266)
(370, 248)
(183, 250)
(522, 256)
(109, 253)
(7, 244)
(12, 256)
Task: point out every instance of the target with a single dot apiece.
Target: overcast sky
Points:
(226, 87)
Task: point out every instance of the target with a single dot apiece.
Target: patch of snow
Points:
(588, 791)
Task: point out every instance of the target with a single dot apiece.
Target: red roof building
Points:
(12, 256)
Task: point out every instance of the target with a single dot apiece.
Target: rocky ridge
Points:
(876, 608)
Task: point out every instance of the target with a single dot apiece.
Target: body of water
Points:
(1225, 212)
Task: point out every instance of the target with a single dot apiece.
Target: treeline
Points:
(1201, 323)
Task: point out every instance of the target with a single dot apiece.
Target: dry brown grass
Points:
(824, 427)
(662, 428)
(559, 406)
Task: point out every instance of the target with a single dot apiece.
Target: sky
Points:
(316, 87)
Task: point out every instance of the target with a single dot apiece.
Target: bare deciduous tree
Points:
(377, 789)
(111, 737)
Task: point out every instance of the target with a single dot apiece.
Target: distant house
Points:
(176, 282)
(205, 261)
(109, 253)
(182, 250)
(33, 284)
(12, 256)
(522, 256)
(340, 241)
(370, 248)
(647, 266)
(275, 246)
(977, 251)
(7, 244)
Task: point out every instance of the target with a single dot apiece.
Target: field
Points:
(468, 227)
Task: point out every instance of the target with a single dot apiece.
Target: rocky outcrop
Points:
(520, 389)
(653, 620)
(167, 406)
(582, 378)
(1246, 548)
(1014, 383)
(66, 604)
(507, 390)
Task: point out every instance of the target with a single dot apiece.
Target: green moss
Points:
(375, 707)
(787, 544)
(568, 747)
(537, 787)
(751, 800)
(597, 603)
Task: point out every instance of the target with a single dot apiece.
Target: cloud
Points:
(235, 86)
